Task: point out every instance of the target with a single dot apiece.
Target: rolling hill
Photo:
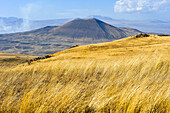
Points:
(127, 75)
(51, 39)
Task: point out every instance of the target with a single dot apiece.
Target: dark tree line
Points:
(38, 58)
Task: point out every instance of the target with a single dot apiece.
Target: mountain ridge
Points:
(14, 24)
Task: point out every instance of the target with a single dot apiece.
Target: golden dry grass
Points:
(129, 75)
(8, 60)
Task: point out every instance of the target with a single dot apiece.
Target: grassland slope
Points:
(8, 60)
(128, 75)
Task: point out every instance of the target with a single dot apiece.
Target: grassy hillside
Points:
(128, 75)
(8, 60)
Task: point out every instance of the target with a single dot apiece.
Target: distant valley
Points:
(52, 39)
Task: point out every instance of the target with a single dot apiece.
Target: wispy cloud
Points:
(138, 5)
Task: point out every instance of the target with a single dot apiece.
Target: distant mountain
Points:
(153, 26)
(92, 28)
(13, 24)
(159, 21)
(51, 39)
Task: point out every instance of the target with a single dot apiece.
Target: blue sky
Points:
(117, 9)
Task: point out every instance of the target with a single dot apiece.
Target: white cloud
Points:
(138, 5)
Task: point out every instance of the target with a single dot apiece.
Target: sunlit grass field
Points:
(130, 75)
(8, 60)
